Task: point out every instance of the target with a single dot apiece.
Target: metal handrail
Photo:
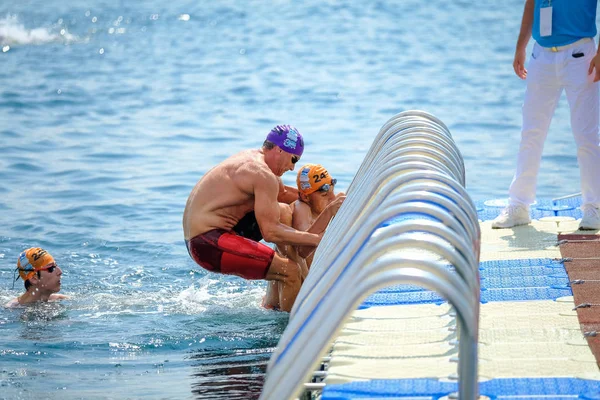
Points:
(377, 209)
(399, 122)
(351, 243)
(414, 114)
(412, 193)
(326, 320)
(413, 167)
(422, 137)
(400, 236)
(362, 200)
(388, 157)
(398, 164)
(373, 161)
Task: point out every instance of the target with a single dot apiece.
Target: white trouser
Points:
(548, 73)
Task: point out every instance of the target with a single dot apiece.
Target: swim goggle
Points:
(29, 268)
(327, 186)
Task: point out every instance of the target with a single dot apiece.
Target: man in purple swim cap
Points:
(241, 201)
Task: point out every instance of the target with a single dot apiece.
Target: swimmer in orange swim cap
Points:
(41, 276)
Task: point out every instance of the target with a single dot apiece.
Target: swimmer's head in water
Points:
(32, 260)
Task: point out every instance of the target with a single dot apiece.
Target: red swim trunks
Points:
(227, 253)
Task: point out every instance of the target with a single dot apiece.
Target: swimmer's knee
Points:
(293, 272)
(283, 268)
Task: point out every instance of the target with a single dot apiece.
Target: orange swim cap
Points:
(312, 177)
(31, 260)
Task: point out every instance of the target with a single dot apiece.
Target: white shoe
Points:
(590, 220)
(512, 215)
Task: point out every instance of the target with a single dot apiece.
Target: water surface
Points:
(111, 111)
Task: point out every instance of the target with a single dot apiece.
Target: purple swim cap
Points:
(287, 138)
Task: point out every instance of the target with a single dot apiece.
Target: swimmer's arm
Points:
(12, 304)
(55, 296)
(301, 217)
(266, 209)
(301, 221)
(287, 194)
(319, 225)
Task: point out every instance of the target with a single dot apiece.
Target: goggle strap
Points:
(15, 277)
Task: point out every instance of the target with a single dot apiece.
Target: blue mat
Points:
(521, 268)
(543, 208)
(498, 274)
(487, 213)
(504, 294)
(573, 203)
(526, 262)
(501, 280)
(520, 271)
(495, 282)
(514, 388)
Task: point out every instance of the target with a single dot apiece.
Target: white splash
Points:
(194, 300)
(202, 297)
(14, 33)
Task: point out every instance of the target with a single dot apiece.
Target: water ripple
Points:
(112, 111)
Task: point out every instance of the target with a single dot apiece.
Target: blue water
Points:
(111, 111)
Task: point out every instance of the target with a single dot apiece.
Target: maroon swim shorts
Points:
(227, 253)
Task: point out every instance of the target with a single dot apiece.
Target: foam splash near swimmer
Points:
(202, 297)
(12, 33)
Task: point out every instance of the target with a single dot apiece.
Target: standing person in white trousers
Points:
(564, 57)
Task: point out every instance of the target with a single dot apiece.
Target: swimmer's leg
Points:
(286, 273)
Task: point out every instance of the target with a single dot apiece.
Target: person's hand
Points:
(519, 63)
(595, 65)
(335, 205)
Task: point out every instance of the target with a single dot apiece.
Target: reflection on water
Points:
(43, 312)
(112, 110)
(234, 374)
(43, 321)
(236, 371)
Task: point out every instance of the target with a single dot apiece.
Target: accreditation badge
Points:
(546, 18)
